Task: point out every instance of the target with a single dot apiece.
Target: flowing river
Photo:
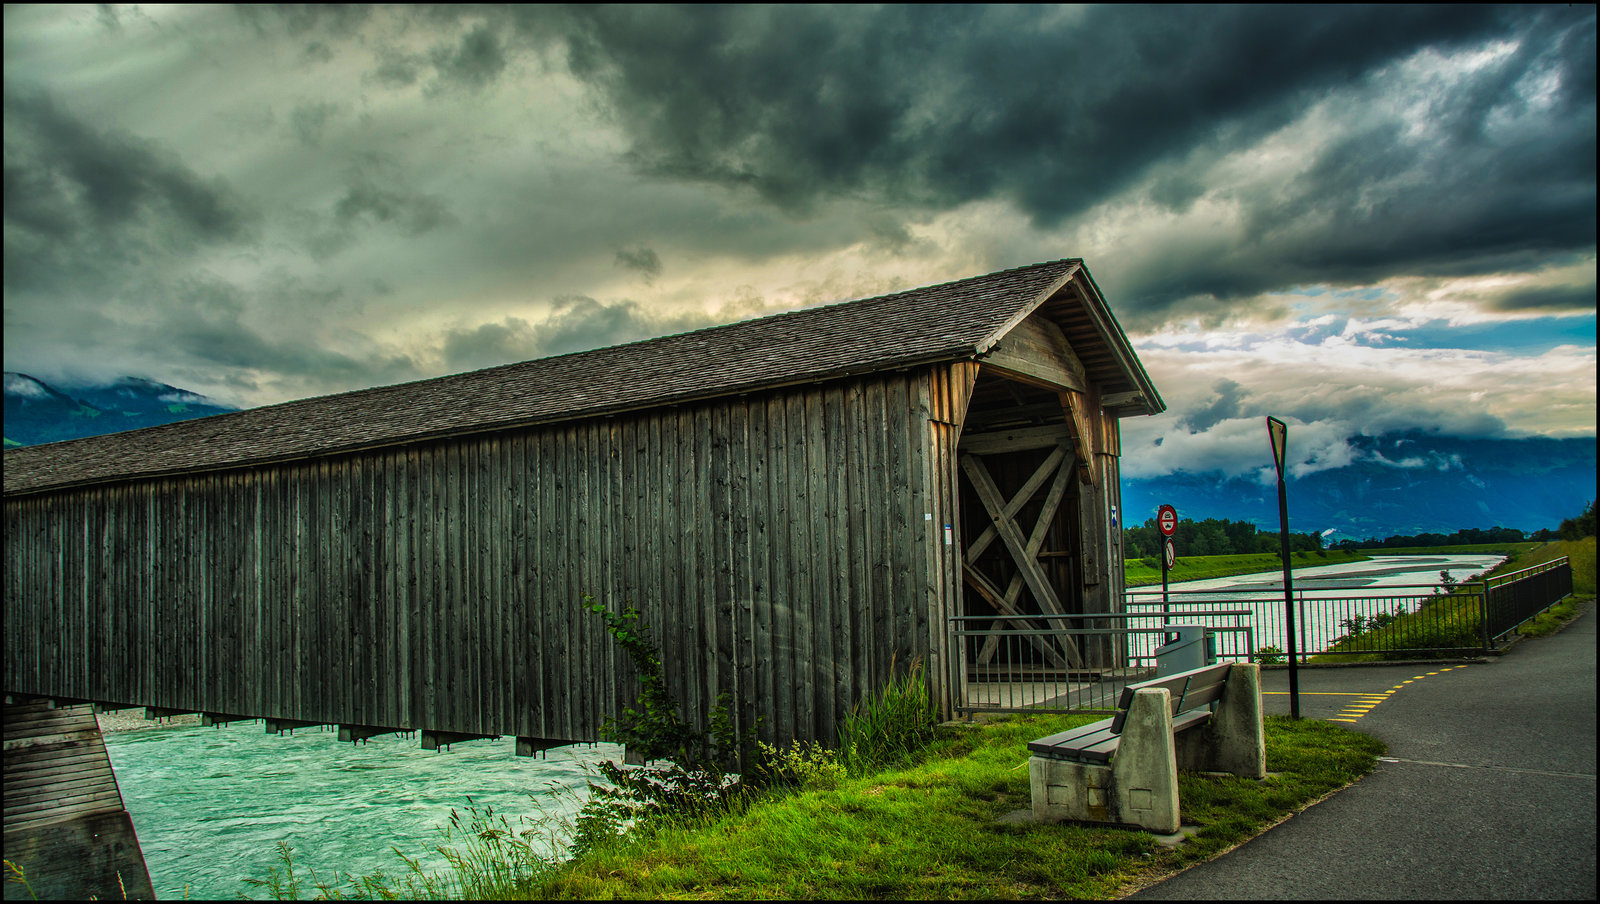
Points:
(211, 804)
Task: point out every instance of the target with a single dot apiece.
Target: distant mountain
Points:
(36, 412)
(1400, 484)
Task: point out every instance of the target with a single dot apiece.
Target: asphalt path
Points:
(1487, 790)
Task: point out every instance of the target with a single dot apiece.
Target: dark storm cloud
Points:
(1224, 407)
(318, 52)
(106, 15)
(80, 199)
(397, 69)
(336, 20)
(1548, 298)
(414, 214)
(377, 193)
(476, 60)
(1059, 110)
(949, 104)
(642, 260)
(205, 322)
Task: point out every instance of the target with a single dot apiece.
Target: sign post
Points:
(1167, 523)
(1278, 432)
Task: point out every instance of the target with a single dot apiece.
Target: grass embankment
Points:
(1147, 571)
(930, 830)
(1582, 555)
(1453, 620)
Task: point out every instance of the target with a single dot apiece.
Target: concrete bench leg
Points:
(1233, 740)
(1145, 769)
(1140, 787)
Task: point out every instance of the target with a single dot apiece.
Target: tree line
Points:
(1211, 537)
(1219, 537)
(1574, 528)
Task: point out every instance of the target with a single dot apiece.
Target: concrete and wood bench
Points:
(1125, 769)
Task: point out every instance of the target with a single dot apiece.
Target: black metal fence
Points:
(1516, 597)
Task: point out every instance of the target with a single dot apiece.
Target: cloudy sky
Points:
(1357, 219)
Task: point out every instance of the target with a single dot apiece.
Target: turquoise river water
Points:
(210, 804)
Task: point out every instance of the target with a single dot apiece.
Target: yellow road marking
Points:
(1316, 694)
(1368, 701)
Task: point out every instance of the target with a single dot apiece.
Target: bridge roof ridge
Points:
(948, 321)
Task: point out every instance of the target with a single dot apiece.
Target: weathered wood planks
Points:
(786, 547)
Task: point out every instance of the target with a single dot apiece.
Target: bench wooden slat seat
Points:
(1097, 741)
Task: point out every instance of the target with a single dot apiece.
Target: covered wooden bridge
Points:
(795, 503)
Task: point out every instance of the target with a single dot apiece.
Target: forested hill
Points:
(37, 412)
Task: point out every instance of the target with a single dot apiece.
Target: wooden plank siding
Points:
(786, 547)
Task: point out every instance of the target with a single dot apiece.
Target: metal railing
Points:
(1396, 621)
(1045, 663)
(1081, 662)
(1410, 619)
(1516, 597)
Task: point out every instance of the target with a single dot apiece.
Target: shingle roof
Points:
(943, 322)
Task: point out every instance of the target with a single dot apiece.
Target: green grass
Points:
(1140, 573)
(1581, 553)
(1556, 617)
(930, 830)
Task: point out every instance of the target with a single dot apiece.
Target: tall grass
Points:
(1581, 553)
(888, 728)
(485, 859)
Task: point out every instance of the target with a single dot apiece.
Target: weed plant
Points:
(889, 727)
(697, 773)
(486, 859)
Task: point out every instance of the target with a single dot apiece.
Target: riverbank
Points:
(1138, 573)
(134, 720)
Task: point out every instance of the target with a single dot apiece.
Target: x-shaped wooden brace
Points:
(1024, 551)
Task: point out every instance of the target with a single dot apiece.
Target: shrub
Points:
(1269, 655)
(803, 765)
(696, 776)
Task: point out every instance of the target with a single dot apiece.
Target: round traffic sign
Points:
(1167, 520)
